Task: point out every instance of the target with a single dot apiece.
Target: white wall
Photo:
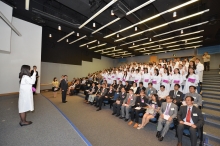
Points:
(51, 70)
(24, 50)
(5, 30)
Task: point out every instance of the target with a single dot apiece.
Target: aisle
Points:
(101, 128)
(49, 127)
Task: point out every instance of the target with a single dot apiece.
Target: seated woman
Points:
(152, 110)
(91, 91)
(127, 86)
(140, 103)
(114, 84)
(134, 87)
(76, 88)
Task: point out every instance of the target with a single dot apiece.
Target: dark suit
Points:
(127, 87)
(140, 102)
(198, 120)
(116, 107)
(64, 86)
(125, 109)
(139, 90)
(100, 97)
(178, 97)
(119, 87)
(109, 95)
(35, 84)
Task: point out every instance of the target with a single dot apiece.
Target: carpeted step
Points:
(204, 95)
(211, 101)
(210, 88)
(214, 114)
(211, 106)
(212, 131)
(210, 83)
(210, 92)
(212, 121)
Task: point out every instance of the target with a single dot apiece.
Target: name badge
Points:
(117, 93)
(178, 95)
(151, 91)
(172, 109)
(194, 97)
(131, 98)
(195, 114)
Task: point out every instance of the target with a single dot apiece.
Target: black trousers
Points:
(135, 114)
(87, 96)
(64, 95)
(116, 108)
(206, 66)
(35, 85)
(100, 100)
(192, 131)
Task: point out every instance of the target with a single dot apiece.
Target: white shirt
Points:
(191, 121)
(163, 94)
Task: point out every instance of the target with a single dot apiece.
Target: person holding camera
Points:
(206, 58)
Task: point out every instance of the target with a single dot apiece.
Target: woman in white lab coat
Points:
(165, 79)
(125, 77)
(191, 80)
(113, 76)
(119, 76)
(156, 79)
(176, 78)
(146, 77)
(134, 87)
(25, 101)
(137, 76)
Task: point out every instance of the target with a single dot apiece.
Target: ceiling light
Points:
(98, 46)
(192, 43)
(66, 36)
(88, 43)
(67, 40)
(191, 33)
(174, 14)
(139, 7)
(77, 34)
(98, 42)
(78, 39)
(117, 35)
(97, 13)
(199, 13)
(150, 40)
(192, 38)
(155, 16)
(112, 13)
(172, 46)
(135, 29)
(59, 27)
(181, 32)
(87, 46)
(182, 28)
(27, 4)
(106, 25)
(93, 24)
(50, 35)
(134, 41)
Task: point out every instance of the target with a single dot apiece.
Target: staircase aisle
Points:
(211, 106)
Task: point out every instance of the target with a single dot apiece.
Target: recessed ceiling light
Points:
(135, 29)
(93, 24)
(112, 13)
(50, 35)
(59, 27)
(67, 40)
(174, 14)
(77, 34)
(181, 32)
(117, 35)
(27, 4)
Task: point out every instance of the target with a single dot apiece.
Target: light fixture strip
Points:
(133, 41)
(66, 36)
(139, 7)
(97, 13)
(88, 43)
(162, 25)
(78, 39)
(155, 16)
(98, 46)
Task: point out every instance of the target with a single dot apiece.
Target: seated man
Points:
(103, 92)
(150, 90)
(76, 89)
(127, 105)
(140, 88)
(168, 111)
(197, 97)
(189, 117)
(87, 85)
(91, 91)
(92, 97)
(106, 96)
(162, 93)
(140, 103)
(119, 102)
(177, 95)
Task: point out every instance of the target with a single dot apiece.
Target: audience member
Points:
(206, 59)
(177, 95)
(162, 93)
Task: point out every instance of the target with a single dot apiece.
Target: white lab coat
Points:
(146, 79)
(158, 80)
(25, 101)
(199, 71)
(187, 84)
(163, 82)
(124, 79)
(151, 70)
(137, 77)
(109, 79)
(176, 77)
(113, 76)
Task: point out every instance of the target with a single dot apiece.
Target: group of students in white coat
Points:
(175, 72)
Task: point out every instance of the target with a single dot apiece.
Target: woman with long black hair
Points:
(25, 101)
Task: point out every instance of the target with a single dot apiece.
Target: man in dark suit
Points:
(119, 86)
(141, 87)
(168, 112)
(128, 103)
(177, 95)
(119, 101)
(37, 76)
(64, 86)
(189, 117)
(101, 96)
